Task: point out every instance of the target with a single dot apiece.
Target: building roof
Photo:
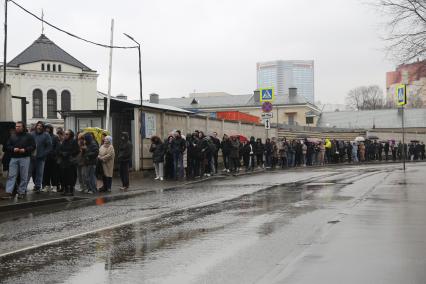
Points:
(146, 104)
(368, 119)
(228, 101)
(43, 49)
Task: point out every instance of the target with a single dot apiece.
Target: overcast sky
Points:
(213, 45)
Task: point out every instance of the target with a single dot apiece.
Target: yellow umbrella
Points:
(97, 132)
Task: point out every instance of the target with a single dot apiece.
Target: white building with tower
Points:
(286, 74)
(52, 81)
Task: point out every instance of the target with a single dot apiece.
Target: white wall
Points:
(81, 85)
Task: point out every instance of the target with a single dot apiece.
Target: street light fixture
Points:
(140, 91)
(140, 65)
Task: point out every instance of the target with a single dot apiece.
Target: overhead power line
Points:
(68, 33)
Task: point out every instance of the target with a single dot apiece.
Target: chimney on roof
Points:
(256, 95)
(154, 98)
(292, 92)
(121, 97)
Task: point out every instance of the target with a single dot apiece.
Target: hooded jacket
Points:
(91, 152)
(125, 148)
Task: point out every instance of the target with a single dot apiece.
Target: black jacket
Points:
(226, 146)
(67, 153)
(22, 141)
(178, 145)
(158, 151)
(125, 149)
(90, 154)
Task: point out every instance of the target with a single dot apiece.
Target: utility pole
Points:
(108, 110)
(140, 93)
(5, 43)
(403, 137)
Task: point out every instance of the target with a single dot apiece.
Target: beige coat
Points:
(106, 155)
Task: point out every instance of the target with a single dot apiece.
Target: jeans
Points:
(178, 165)
(124, 173)
(37, 166)
(90, 177)
(159, 169)
(18, 166)
(80, 174)
(290, 160)
(226, 161)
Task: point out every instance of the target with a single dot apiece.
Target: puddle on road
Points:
(150, 246)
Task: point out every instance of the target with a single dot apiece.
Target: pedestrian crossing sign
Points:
(401, 94)
(267, 95)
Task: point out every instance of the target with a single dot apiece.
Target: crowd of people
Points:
(61, 161)
(197, 155)
(57, 161)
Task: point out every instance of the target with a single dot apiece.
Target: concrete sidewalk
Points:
(140, 183)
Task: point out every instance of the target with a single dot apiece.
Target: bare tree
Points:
(365, 98)
(406, 28)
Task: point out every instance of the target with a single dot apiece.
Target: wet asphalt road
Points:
(305, 226)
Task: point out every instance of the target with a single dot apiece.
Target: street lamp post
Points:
(140, 65)
(140, 89)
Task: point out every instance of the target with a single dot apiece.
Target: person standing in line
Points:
(217, 143)
(304, 153)
(125, 150)
(268, 153)
(226, 146)
(386, 149)
(90, 155)
(362, 152)
(43, 148)
(68, 151)
(260, 149)
(106, 157)
(355, 152)
(20, 147)
(158, 151)
(234, 154)
(178, 147)
(51, 172)
(321, 159)
(81, 169)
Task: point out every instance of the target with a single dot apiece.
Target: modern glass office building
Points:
(285, 74)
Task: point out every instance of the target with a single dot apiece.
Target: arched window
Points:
(52, 105)
(37, 103)
(48, 67)
(65, 100)
(59, 68)
(42, 67)
(54, 67)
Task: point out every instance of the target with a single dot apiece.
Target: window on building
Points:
(52, 105)
(42, 67)
(290, 119)
(101, 104)
(59, 68)
(48, 67)
(54, 67)
(65, 101)
(37, 103)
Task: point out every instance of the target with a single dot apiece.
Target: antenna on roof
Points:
(42, 21)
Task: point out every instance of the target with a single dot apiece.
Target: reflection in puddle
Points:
(94, 258)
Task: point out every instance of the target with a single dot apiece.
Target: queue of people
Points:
(196, 155)
(62, 162)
